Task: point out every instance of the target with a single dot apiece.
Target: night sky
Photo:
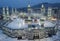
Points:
(24, 3)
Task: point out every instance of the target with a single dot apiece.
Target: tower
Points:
(29, 9)
(42, 9)
(7, 12)
(12, 10)
(13, 13)
(4, 14)
(15, 10)
(49, 11)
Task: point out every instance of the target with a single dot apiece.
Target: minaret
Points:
(49, 11)
(12, 10)
(29, 9)
(4, 14)
(7, 11)
(42, 9)
(15, 10)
